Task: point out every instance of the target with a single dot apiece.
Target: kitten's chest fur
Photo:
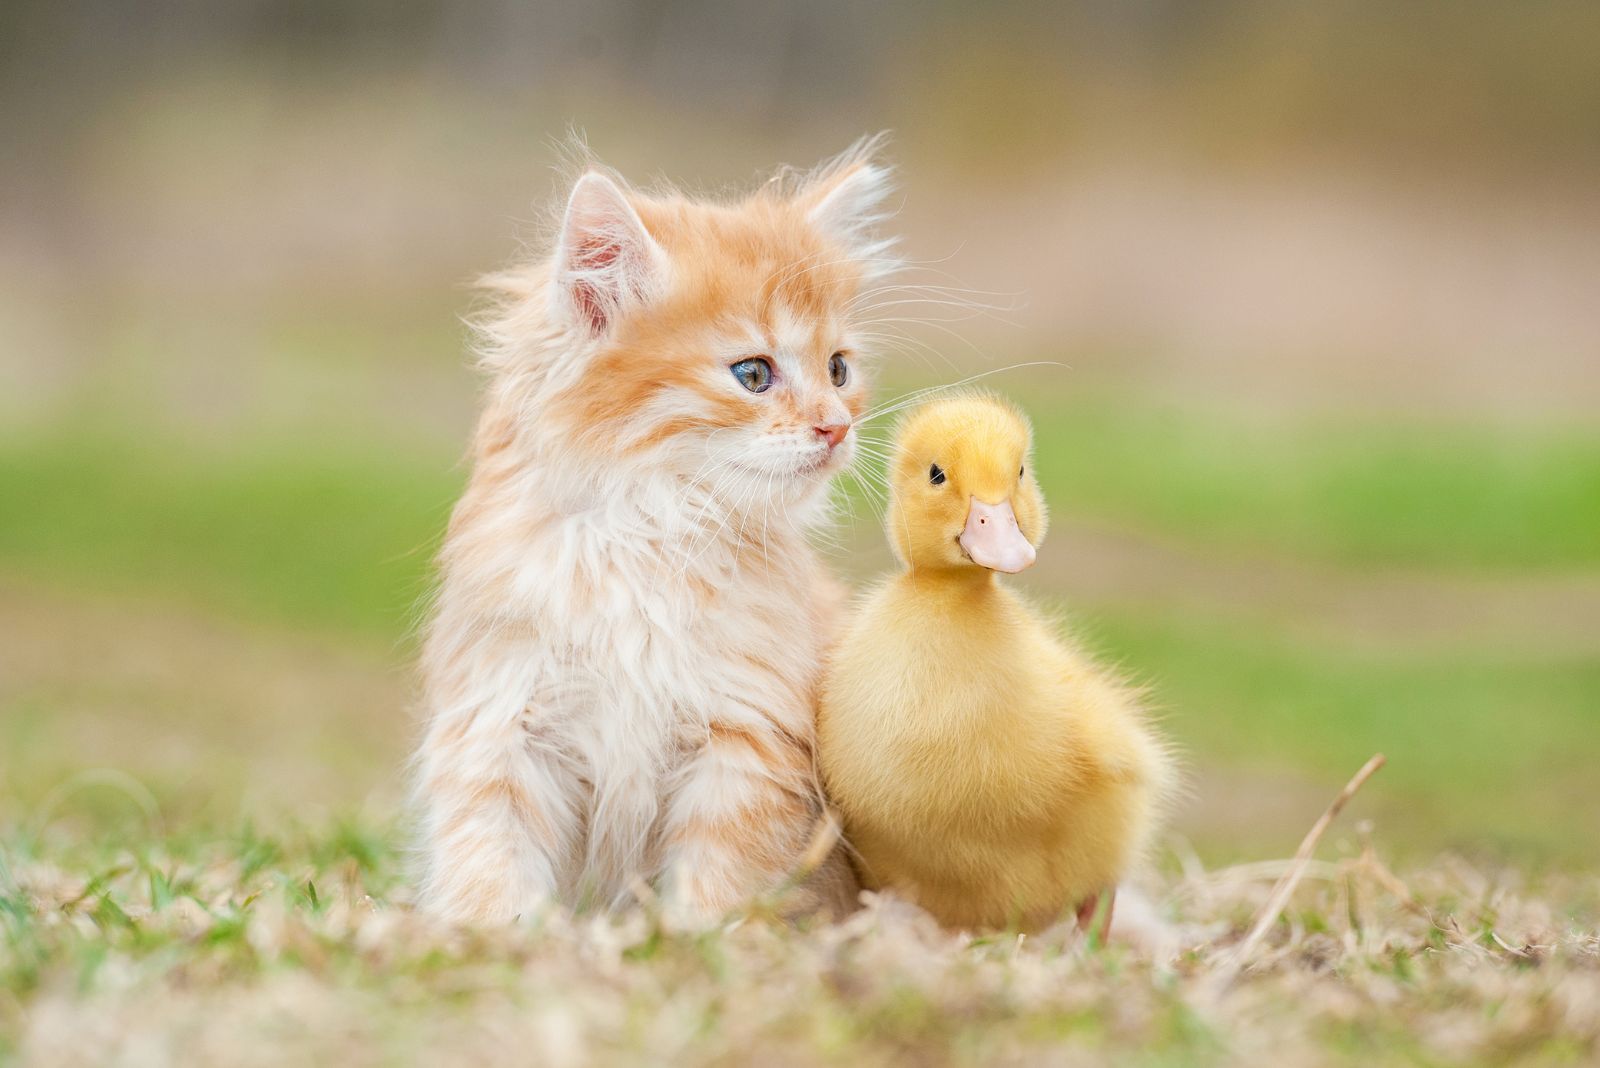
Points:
(612, 642)
(668, 620)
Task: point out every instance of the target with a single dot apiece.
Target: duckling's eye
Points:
(838, 370)
(936, 475)
(754, 374)
(1020, 470)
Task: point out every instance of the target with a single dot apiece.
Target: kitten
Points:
(621, 664)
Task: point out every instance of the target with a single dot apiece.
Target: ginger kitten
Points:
(622, 661)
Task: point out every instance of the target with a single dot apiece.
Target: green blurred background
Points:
(1317, 285)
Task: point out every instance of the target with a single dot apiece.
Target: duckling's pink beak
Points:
(993, 539)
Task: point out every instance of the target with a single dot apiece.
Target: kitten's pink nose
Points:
(833, 433)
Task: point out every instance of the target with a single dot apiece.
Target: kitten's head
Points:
(718, 342)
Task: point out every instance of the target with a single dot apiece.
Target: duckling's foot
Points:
(1095, 917)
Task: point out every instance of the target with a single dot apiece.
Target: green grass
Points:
(136, 912)
(1490, 755)
(1486, 746)
(342, 538)
(1448, 496)
(1349, 491)
(246, 946)
(304, 535)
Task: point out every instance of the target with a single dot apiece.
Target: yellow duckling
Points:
(983, 766)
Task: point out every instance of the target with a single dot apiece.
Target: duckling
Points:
(982, 765)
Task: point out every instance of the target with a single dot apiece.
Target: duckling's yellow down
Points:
(983, 766)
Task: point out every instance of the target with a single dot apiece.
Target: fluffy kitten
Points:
(622, 660)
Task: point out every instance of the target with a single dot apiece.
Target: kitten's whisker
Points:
(792, 271)
(726, 473)
(972, 309)
(869, 493)
(874, 450)
(920, 351)
(908, 399)
(964, 294)
(934, 324)
(869, 476)
(895, 341)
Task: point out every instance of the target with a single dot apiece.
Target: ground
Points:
(207, 697)
(265, 949)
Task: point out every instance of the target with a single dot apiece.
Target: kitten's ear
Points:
(606, 261)
(845, 199)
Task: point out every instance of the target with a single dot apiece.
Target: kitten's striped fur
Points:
(621, 664)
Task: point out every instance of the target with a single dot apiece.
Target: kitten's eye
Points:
(754, 374)
(936, 475)
(838, 370)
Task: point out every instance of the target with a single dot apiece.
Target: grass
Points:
(336, 540)
(1448, 496)
(302, 534)
(252, 947)
(327, 534)
(199, 635)
(1488, 755)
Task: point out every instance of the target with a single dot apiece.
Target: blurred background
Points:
(1318, 286)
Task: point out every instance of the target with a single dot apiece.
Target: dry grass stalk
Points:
(1229, 967)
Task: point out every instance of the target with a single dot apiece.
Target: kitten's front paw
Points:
(695, 903)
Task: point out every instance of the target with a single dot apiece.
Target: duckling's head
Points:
(962, 491)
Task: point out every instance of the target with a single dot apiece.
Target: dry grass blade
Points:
(1236, 959)
(209, 957)
(1393, 884)
(824, 836)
